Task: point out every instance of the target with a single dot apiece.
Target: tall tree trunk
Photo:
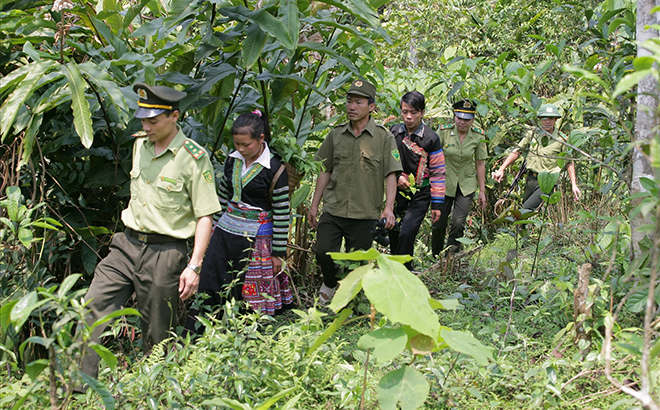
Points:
(648, 118)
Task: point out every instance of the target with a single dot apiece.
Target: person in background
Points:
(172, 199)
(361, 161)
(422, 182)
(465, 156)
(544, 144)
(253, 230)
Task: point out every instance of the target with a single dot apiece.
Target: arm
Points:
(481, 179)
(437, 179)
(574, 186)
(281, 216)
(499, 174)
(189, 280)
(321, 183)
(390, 194)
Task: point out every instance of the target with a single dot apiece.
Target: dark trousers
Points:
(413, 211)
(151, 271)
(459, 207)
(329, 234)
(225, 260)
(532, 192)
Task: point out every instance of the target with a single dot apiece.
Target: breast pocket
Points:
(135, 182)
(169, 193)
(370, 163)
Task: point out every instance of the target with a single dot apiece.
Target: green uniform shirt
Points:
(460, 159)
(537, 158)
(357, 166)
(171, 191)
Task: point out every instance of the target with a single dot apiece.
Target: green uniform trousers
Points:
(152, 271)
(459, 207)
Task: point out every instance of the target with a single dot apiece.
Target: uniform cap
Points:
(549, 110)
(363, 88)
(465, 109)
(155, 100)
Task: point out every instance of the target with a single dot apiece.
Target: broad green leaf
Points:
(357, 8)
(629, 81)
(17, 98)
(399, 258)
(213, 75)
(234, 404)
(349, 287)
(100, 389)
(117, 313)
(387, 343)
(266, 405)
(405, 388)
(367, 255)
(580, 72)
(421, 344)
(67, 284)
(336, 324)
(636, 303)
(42, 341)
(446, 304)
(547, 181)
(300, 195)
(466, 343)
(30, 137)
(11, 203)
(23, 309)
(265, 20)
(255, 40)
(34, 368)
(103, 82)
(105, 354)
(401, 296)
(5, 314)
(289, 16)
(82, 117)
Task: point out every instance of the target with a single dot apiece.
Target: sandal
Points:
(325, 294)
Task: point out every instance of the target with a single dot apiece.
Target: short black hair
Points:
(415, 99)
(255, 123)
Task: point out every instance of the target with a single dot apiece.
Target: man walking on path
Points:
(361, 161)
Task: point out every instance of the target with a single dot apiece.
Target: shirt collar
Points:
(370, 128)
(264, 158)
(418, 132)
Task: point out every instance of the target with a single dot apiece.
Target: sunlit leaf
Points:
(629, 81)
(82, 117)
(349, 287)
(466, 343)
(387, 343)
(405, 388)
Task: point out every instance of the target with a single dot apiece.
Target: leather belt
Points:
(150, 237)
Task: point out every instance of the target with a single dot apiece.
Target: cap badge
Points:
(358, 83)
(467, 104)
(549, 109)
(142, 93)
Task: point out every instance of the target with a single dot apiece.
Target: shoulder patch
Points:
(396, 155)
(195, 150)
(139, 134)
(446, 126)
(208, 176)
(478, 130)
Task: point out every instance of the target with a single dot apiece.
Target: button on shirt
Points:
(460, 159)
(543, 150)
(170, 191)
(357, 166)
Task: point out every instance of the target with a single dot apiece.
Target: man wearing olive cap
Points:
(173, 198)
(544, 144)
(361, 160)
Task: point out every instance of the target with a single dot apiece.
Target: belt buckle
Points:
(142, 237)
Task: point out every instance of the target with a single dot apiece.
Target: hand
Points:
(277, 265)
(311, 216)
(577, 194)
(402, 182)
(388, 214)
(188, 283)
(435, 215)
(498, 175)
(482, 199)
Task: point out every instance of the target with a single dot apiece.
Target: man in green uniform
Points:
(544, 145)
(465, 155)
(173, 198)
(360, 158)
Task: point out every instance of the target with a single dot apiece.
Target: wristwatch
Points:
(194, 268)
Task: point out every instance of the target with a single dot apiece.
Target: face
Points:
(411, 116)
(160, 127)
(462, 125)
(358, 107)
(249, 147)
(548, 123)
